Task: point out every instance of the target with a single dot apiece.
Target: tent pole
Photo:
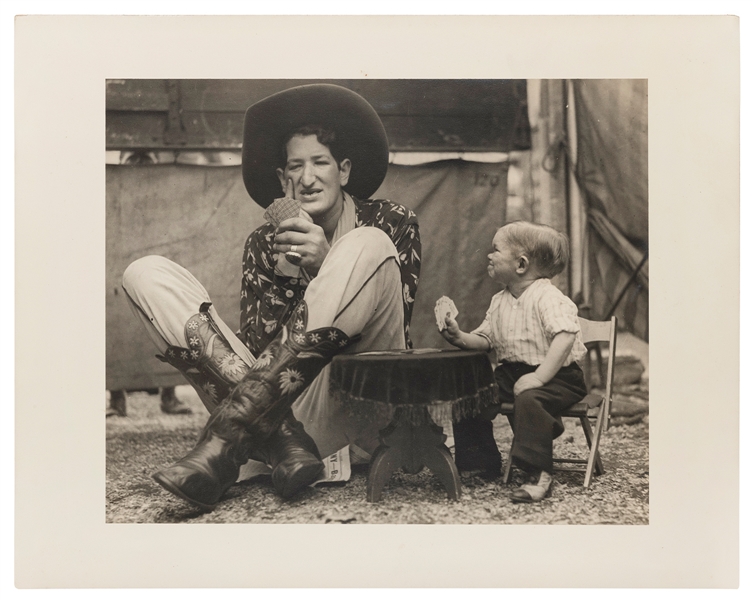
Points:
(576, 214)
(568, 134)
(546, 109)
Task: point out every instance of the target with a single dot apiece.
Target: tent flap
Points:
(612, 174)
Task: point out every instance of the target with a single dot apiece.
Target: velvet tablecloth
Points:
(454, 383)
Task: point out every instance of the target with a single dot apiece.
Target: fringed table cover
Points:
(456, 383)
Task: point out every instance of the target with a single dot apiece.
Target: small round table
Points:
(402, 385)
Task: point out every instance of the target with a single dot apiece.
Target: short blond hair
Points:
(547, 248)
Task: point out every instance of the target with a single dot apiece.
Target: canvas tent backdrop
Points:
(611, 171)
(206, 229)
(200, 217)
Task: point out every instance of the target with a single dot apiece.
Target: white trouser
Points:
(357, 290)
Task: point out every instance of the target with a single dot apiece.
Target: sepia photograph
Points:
(364, 302)
(269, 362)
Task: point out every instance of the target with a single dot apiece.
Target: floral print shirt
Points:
(267, 300)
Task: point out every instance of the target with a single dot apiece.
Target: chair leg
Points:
(588, 431)
(584, 421)
(508, 466)
(594, 458)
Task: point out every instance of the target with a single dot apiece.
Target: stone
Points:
(628, 369)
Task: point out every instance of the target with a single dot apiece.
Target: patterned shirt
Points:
(267, 299)
(521, 329)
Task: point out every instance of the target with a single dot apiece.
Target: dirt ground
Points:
(146, 440)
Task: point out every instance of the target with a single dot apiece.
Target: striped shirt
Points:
(521, 329)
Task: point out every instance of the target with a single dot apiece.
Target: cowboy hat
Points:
(359, 131)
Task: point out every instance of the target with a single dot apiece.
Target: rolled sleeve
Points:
(558, 314)
(484, 330)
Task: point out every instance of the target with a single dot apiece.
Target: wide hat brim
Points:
(358, 127)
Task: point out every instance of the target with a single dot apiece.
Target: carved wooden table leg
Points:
(412, 447)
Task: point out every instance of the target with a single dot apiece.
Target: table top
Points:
(409, 377)
(416, 354)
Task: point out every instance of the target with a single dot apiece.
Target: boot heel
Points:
(294, 457)
(289, 480)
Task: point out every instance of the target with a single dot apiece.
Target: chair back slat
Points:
(595, 331)
(603, 331)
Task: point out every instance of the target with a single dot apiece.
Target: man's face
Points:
(316, 178)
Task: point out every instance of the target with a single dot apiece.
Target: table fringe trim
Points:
(415, 414)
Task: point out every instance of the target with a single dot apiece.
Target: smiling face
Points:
(504, 263)
(316, 177)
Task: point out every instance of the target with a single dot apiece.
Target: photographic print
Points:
(387, 280)
(418, 434)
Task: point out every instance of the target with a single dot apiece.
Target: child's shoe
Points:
(534, 491)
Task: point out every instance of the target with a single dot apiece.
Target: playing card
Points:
(282, 209)
(443, 306)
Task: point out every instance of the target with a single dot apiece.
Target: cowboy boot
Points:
(209, 362)
(293, 457)
(214, 370)
(246, 421)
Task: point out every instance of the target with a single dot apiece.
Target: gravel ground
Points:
(146, 440)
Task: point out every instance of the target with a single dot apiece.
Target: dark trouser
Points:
(536, 422)
(475, 447)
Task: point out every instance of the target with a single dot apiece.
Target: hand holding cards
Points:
(443, 306)
(282, 209)
(287, 208)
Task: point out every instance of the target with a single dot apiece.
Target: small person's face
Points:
(316, 178)
(503, 262)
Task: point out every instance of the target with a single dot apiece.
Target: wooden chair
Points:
(594, 406)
